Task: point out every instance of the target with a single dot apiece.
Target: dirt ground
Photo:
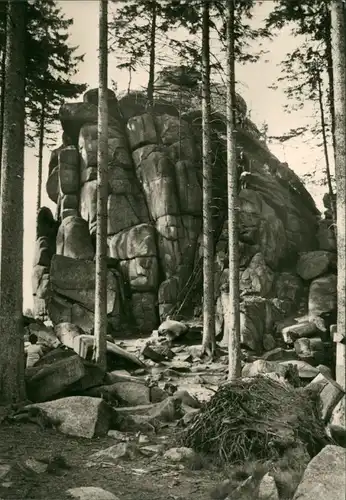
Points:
(144, 479)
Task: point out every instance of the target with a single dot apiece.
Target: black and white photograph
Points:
(173, 249)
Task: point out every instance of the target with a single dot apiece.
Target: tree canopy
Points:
(51, 64)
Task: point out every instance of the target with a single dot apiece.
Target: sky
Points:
(253, 82)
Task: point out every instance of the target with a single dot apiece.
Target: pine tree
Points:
(50, 65)
(134, 31)
(12, 388)
(102, 193)
(339, 72)
(308, 69)
(233, 316)
(208, 341)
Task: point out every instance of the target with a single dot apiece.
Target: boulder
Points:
(122, 376)
(94, 377)
(325, 476)
(258, 278)
(44, 250)
(142, 273)
(260, 224)
(88, 204)
(260, 366)
(144, 310)
(166, 411)
(141, 131)
(186, 399)
(172, 128)
(253, 313)
(53, 379)
(124, 212)
(73, 239)
(181, 454)
(127, 392)
(268, 489)
(311, 350)
(338, 418)
(80, 416)
(52, 185)
(40, 282)
(117, 148)
(66, 332)
(90, 493)
(304, 329)
(75, 280)
(69, 170)
(124, 451)
(305, 370)
(322, 295)
(330, 394)
(172, 329)
(82, 344)
(279, 354)
(139, 241)
(313, 264)
(288, 287)
(148, 352)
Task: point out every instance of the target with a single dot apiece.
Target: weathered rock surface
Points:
(268, 489)
(322, 295)
(179, 454)
(325, 476)
(313, 264)
(80, 416)
(155, 217)
(90, 493)
(54, 378)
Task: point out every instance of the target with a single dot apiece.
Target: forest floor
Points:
(139, 479)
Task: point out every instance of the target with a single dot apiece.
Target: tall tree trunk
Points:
(339, 70)
(40, 152)
(325, 148)
(129, 81)
(330, 75)
(12, 388)
(153, 6)
(2, 97)
(208, 342)
(100, 326)
(233, 316)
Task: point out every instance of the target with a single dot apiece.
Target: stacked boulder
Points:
(155, 217)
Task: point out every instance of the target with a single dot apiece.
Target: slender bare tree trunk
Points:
(12, 388)
(40, 153)
(325, 148)
(152, 54)
(100, 326)
(330, 76)
(339, 71)
(208, 342)
(233, 316)
(2, 97)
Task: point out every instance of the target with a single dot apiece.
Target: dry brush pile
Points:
(256, 419)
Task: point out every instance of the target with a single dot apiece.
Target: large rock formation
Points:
(155, 216)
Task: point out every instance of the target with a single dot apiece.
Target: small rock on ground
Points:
(91, 493)
(179, 454)
(267, 489)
